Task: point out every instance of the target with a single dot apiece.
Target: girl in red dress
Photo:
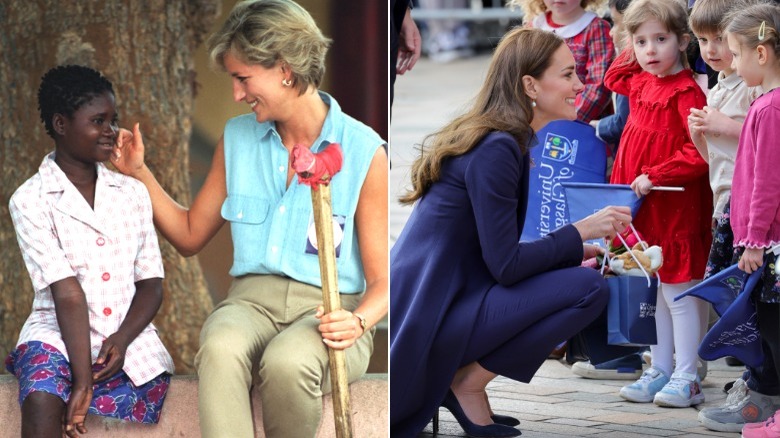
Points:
(656, 150)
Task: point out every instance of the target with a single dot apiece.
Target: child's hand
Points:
(594, 124)
(128, 154)
(340, 329)
(696, 128)
(709, 121)
(76, 410)
(112, 355)
(642, 185)
(751, 260)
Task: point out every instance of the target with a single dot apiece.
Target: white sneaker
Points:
(589, 371)
(645, 389)
(701, 365)
(682, 391)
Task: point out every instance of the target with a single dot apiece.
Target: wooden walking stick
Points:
(316, 171)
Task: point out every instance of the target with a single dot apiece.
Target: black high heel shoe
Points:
(506, 420)
(490, 431)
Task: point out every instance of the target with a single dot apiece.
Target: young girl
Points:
(754, 41)
(656, 150)
(88, 242)
(587, 36)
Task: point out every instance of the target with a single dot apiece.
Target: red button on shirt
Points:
(106, 276)
(107, 311)
(100, 241)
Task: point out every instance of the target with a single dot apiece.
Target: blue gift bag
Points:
(568, 151)
(631, 310)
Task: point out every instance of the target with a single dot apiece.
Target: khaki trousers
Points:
(267, 325)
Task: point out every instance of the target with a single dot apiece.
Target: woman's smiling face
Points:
(258, 86)
(557, 89)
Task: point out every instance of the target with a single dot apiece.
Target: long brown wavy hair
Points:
(500, 105)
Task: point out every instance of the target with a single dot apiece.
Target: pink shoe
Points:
(768, 429)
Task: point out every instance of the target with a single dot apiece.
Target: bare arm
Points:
(70, 305)
(188, 230)
(146, 302)
(409, 44)
(341, 329)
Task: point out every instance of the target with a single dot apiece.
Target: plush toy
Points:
(650, 258)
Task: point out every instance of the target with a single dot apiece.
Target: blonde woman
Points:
(271, 320)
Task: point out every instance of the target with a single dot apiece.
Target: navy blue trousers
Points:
(519, 325)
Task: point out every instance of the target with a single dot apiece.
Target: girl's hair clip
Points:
(762, 31)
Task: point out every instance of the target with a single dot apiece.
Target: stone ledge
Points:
(368, 399)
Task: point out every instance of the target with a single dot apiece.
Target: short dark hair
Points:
(65, 88)
(707, 16)
(619, 5)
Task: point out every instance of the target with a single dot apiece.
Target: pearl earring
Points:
(286, 82)
(533, 103)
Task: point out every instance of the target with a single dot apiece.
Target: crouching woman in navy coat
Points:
(468, 301)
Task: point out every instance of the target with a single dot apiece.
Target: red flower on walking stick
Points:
(316, 171)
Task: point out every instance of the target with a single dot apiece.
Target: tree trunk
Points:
(145, 48)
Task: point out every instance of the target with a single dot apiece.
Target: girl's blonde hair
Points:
(265, 32)
(500, 105)
(756, 25)
(532, 8)
(672, 14)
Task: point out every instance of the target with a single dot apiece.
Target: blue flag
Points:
(584, 199)
(736, 332)
(721, 289)
(568, 151)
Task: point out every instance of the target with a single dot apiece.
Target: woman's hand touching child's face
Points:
(128, 153)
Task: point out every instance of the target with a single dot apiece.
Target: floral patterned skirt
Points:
(40, 367)
(723, 254)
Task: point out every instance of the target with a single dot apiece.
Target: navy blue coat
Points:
(460, 240)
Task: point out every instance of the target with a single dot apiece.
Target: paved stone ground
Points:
(556, 403)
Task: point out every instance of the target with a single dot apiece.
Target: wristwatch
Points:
(362, 319)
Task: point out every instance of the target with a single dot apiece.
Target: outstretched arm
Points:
(188, 229)
(492, 179)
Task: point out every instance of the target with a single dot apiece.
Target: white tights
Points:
(680, 326)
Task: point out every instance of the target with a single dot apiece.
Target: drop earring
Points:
(533, 103)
